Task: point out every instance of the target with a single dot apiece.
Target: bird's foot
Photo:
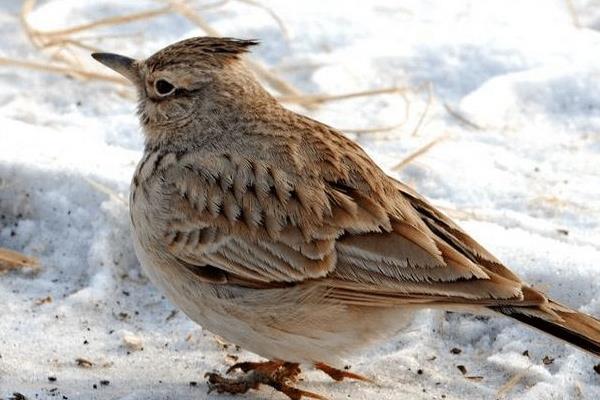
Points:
(277, 374)
(340, 375)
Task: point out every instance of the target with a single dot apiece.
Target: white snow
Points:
(527, 185)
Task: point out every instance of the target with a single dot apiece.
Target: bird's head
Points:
(194, 79)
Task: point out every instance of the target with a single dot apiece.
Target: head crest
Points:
(214, 51)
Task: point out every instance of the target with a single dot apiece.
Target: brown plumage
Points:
(280, 234)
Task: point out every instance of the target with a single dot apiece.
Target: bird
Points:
(280, 234)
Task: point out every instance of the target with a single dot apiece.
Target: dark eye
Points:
(163, 87)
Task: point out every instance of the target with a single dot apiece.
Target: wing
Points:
(367, 238)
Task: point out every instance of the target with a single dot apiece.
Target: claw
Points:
(277, 374)
(297, 394)
(339, 375)
(244, 366)
(233, 386)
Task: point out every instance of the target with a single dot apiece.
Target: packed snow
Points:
(511, 87)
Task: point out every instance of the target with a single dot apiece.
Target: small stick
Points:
(116, 20)
(461, 118)
(216, 4)
(121, 35)
(419, 152)
(425, 110)
(185, 10)
(66, 41)
(61, 70)
(10, 259)
(297, 67)
(106, 190)
(511, 383)
(573, 13)
(273, 15)
(374, 130)
(322, 98)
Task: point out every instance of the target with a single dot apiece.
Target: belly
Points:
(297, 324)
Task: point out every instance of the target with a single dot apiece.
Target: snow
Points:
(526, 184)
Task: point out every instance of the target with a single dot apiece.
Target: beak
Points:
(123, 65)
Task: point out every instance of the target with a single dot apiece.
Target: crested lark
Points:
(278, 233)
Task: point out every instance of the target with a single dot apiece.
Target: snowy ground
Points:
(526, 184)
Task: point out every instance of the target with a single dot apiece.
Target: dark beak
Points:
(123, 65)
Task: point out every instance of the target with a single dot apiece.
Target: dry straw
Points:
(65, 47)
(10, 260)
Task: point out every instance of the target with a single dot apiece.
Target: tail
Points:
(572, 326)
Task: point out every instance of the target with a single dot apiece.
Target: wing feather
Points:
(263, 226)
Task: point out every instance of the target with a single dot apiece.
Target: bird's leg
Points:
(277, 374)
(338, 374)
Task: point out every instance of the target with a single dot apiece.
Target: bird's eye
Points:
(163, 87)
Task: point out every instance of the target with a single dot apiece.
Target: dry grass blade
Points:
(425, 110)
(299, 67)
(138, 35)
(375, 129)
(188, 12)
(419, 152)
(103, 22)
(106, 190)
(273, 15)
(72, 65)
(510, 384)
(573, 13)
(61, 70)
(63, 42)
(323, 98)
(10, 260)
(385, 128)
(461, 118)
(214, 5)
(458, 214)
(277, 83)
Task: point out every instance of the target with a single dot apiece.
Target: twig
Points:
(419, 152)
(59, 39)
(10, 259)
(374, 130)
(61, 70)
(119, 35)
(511, 383)
(297, 67)
(216, 4)
(106, 190)
(458, 214)
(282, 86)
(116, 20)
(573, 13)
(461, 118)
(385, 128)
(425, 110)
(273, 15)
(185, 10)
(322, 98)
(62, 42)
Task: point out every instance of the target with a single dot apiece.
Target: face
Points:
(168, 95)
(178, 79)
(168, 88)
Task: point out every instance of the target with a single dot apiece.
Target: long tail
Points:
(572, 326)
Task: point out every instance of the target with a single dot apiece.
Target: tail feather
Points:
(572, 326)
